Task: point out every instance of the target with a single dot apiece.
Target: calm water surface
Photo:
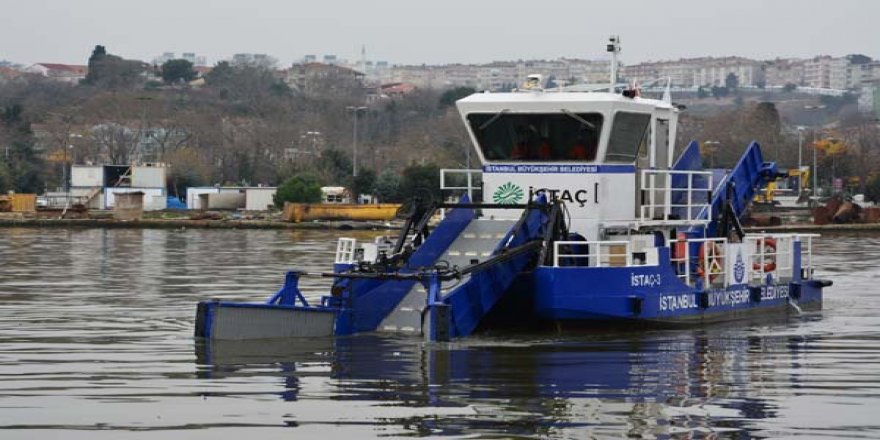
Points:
(95, 342)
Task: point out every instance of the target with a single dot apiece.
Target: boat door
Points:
(655, 154)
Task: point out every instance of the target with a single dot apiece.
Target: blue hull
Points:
(652, 294)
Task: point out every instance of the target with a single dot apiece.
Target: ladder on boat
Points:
(476, 243)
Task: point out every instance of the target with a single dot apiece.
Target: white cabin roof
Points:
(555, 101)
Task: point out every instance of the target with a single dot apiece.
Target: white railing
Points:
(774, 253)
(769, 254)
(679, 256)
(599, 253)
(806, 241)
(345, 250)
(711, 261)
(446, 174)
(658, 206)
(762, 254)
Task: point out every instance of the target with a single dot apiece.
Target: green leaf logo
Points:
(508, 194)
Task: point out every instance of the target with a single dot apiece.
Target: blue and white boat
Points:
(581, 214)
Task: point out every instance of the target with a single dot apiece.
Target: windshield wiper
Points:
(492, 119)
(578, 118)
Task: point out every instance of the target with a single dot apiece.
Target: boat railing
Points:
(450, 178)
(345, 250)
(608, 253)
(769, 254)
(707, 265)
(775, 254)
(806, 241)
(706, 259)
(688, 203)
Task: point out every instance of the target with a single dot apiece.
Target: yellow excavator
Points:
(788, 189)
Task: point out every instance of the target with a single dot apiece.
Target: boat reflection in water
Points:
(657, 383)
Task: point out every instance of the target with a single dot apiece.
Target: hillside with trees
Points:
(239, 124)
(246, 123)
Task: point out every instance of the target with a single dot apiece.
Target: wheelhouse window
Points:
(629, 134)
(537, 137)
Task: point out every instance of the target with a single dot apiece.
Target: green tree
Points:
(720, 92)
(23, 168)
(364, 182)
(302, 188)
(702, 93)
(178, 71)
(114, 72)
(26, 168)
(249, 89)
(387, 187)
(731, 81)
(421, 181)
(220, 75)
(858, 58)
(448, 98)
(98, 54)
(336, 167)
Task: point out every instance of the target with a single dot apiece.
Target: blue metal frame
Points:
(289, 292)
(373, 301)
(472, 301)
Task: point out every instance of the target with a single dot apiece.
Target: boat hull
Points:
(653, 295)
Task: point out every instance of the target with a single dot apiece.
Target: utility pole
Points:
(815, 163)
(354, 137)
(800, 131)
(143, 131)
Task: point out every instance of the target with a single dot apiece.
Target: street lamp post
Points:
(354, 138)
(68, 162)
(800, 131)
(815, 167)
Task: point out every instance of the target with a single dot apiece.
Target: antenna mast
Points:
(613, 48)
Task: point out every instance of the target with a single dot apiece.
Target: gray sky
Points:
(444, 31)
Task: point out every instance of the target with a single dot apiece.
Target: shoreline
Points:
(197, 224)
(329, 225)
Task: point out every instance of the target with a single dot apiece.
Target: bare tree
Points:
(116, 142)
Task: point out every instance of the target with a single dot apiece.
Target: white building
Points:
(97, 185)
(66, 73)
(250, 198)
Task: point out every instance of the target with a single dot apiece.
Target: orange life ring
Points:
(714, 260)
(770, 265)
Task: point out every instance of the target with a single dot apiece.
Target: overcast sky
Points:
(444, 31)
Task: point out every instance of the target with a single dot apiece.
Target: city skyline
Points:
(406, 34)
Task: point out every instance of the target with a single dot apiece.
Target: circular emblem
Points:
(739, 268)
(508, 194)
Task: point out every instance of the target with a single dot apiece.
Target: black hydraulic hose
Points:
(503, 256)
(548, 234)
(405, 231)
(445, 275)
